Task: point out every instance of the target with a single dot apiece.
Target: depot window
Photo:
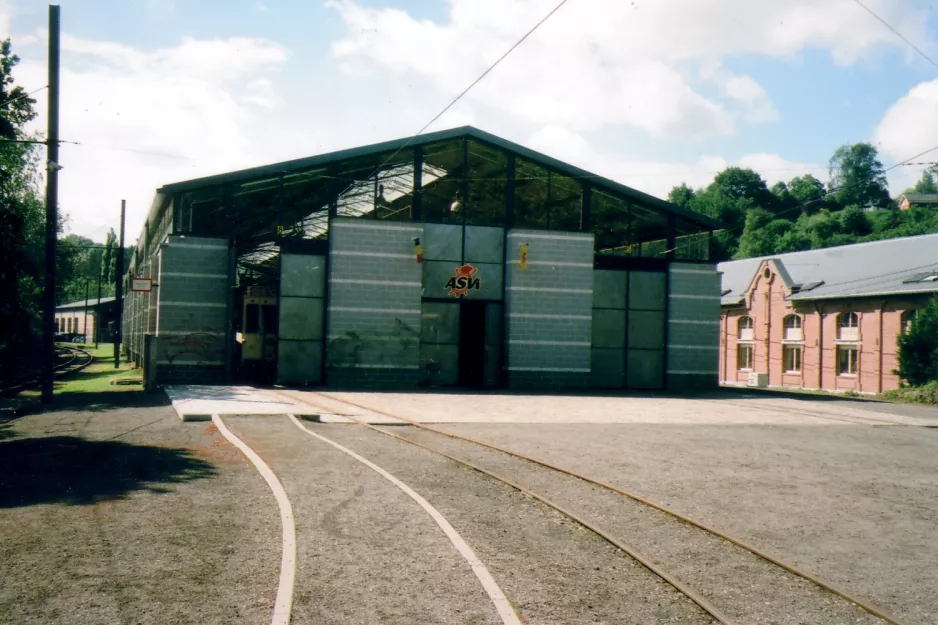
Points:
(791, 357)
(847, 360)
(744, 357)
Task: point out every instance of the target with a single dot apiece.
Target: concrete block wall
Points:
(609, 323)
(549, 310)
(373, 333)
(192, 310)
(693, 326)
(302, 309)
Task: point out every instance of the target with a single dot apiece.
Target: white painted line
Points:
(548, 263)
(374, 282)
(701, 322)
(552, 237)
(703, 297)
(536, 316)
(174, 274)
(505, 611)
(567, 343)
(708, 272)
(372, 254)
(283, 605)
(550, 369)
(194, 304)
(368, 226)
(699, 347)
(550, 290)
(376, 311)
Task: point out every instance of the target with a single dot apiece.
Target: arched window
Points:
(745, 331)
(905, 321)
(848, 326)
(792, 325)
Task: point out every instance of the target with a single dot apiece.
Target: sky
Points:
(651, 93)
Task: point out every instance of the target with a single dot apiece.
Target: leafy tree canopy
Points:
(918, 348)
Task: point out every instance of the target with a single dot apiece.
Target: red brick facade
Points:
(843, 344)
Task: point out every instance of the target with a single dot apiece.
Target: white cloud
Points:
(908, 128)
(5, 16)
(658, 177)
(145, 118)
(611, 63)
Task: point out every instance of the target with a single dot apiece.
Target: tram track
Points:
(76, 359)
(708, 601)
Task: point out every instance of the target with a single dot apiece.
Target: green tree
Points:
(808, 193)
(926, 184)
(762, 234)
(682, 195)
(857, 177)
(918, 348)
(743, 183)
(21, 216)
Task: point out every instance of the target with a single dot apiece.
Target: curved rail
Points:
(60, 370)
(868, 607)
(678, 585)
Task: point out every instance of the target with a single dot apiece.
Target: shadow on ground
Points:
(77, 471)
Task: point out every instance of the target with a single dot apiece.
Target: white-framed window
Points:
(848, 326)
(905, 321)
(793, 330)
(744, 327)
(791, 358)
(848, 359)
(744, 357)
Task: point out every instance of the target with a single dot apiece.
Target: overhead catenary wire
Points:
(24, 95)
(896, 32)
(453, 102)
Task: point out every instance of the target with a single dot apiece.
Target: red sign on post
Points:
(139, 285)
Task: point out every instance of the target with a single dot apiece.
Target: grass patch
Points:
(927, 394)
(97, 377)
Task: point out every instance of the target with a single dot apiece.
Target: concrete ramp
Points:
(199, 403)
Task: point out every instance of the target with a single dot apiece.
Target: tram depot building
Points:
(457, 259)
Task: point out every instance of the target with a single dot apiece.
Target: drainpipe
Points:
(880, 346)
(820, 346)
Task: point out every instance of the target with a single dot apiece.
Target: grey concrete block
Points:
(442, 242)
(484, 245)
(609, 288)
(646, 329)
(608, 328)
(645, 369)
(607, 368)
(302, 276)
(647, 290)
(301, 318)
(299, 362)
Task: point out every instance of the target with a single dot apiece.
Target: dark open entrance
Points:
(472, 344)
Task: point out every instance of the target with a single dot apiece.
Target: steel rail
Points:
(843, 594)
(677, 584)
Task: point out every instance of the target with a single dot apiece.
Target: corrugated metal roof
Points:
(265, 171)
(923, 198)
(81, 304)
(889, 267)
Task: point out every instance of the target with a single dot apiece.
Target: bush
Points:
(927, 394)
(918, 348)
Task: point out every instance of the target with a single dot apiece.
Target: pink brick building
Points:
(824, 319)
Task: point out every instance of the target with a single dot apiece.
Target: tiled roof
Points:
(890, 267)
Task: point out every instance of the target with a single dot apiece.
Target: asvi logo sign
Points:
(463, 281)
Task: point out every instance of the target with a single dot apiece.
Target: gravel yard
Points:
(116, 513)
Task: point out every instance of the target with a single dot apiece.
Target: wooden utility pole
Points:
(119, 289)
(97, 310)
(52, 200)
